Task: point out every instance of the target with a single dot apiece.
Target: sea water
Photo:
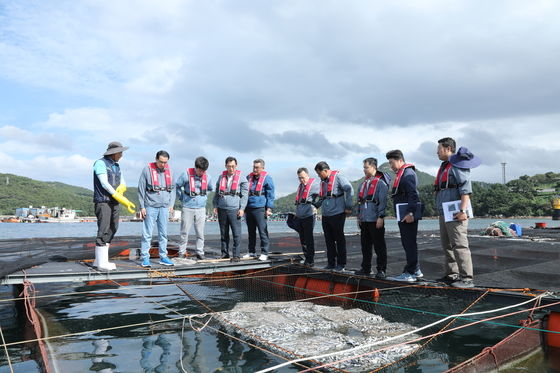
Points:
(26, 230)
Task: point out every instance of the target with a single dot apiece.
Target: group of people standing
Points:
(253, 197)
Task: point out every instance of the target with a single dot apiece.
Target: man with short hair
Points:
(156, 192)
(306, 194)
(192, 187)
(229, 202)
(405, 190)
(453, 183)
(335, 200)
(108, 191)
(372, 202)
(259, 208)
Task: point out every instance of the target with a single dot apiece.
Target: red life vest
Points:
(234, 184)
(203, 183)
(400, 172)
(303, 193)
(155, 179)
(260, 183)
(364, 195)
(330, 186)
(442, 178)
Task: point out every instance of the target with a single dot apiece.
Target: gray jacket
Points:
(150, 198)
(304, 210)
(342, 197)
(461, 178)
(228, 201)
(369, 211)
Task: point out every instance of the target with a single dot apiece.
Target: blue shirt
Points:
(303, 210)
(407, 192)
(183, 191)
(266, 199)
(228, 201)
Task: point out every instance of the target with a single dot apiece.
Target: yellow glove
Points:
(121, 189)
(125, 202)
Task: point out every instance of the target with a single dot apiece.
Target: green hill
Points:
(18, 191)
(286, 203)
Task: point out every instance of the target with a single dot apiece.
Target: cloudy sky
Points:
(293, 82)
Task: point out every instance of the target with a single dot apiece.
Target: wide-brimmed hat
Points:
(464, 159)
(114, 148)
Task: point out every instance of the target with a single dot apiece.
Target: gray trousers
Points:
(455, 246)
(107, 222)
(188, 218)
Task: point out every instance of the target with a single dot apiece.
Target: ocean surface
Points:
(27, 230)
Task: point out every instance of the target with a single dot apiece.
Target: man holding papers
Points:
(453, 188)
(405, 191)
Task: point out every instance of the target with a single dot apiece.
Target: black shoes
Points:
(463, 284)
(448, 279)
(380, 275)
(361, 272)
(225, 256)
(235, 259)
(200, 257)
(329, 268)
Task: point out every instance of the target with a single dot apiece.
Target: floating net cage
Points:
(356, 319)
(324, 321)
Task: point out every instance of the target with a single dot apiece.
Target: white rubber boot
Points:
(102, 259)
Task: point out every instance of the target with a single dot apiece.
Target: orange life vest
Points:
(303, 192)
(397, 180)
(155, 179)
(203, 183)
(233, 190)
(364, 195)
(260, 183)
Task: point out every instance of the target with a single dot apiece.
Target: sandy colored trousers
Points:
(455, 246)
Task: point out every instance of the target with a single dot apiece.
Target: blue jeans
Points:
(255, 218)
(159, 215)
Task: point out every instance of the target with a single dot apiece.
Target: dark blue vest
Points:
(99, 193)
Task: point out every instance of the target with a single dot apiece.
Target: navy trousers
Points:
(371, 236)
(306, 238)
(228, 219)
(333, 229)
(255, 218)
(409, 232)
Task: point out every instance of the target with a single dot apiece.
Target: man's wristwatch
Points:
(463, 211)
(411, 213)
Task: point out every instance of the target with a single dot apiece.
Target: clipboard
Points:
(401, 210)
(452, 207)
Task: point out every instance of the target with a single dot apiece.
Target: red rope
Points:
(28, 295)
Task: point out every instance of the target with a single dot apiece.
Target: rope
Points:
(6, 351)
(396, 337)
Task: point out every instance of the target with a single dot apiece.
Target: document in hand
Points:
(402, 210)
(453, 207)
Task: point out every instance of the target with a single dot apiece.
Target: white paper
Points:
(453, 207)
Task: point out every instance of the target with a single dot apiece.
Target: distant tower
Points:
(504, 172)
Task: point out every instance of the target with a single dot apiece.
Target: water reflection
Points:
(150, 354)
(101, 346)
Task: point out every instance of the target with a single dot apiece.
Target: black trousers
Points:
(409, 232)
(227, 219)
(107, 222)
(306, 238)
(255, 218)
(333, 229)
(371, 236)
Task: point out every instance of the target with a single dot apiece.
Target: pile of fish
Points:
(304, 329)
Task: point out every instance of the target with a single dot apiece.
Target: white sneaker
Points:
(263, 257)
(249, 255)
(404, 277)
